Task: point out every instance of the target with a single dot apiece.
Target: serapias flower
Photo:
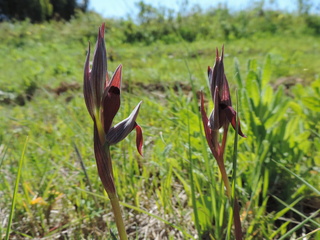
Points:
(221, 116)
(102, 97)
(223, 113)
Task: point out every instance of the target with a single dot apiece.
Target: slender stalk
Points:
(224, 138)
(113, 196)
(233, 199)
(236, 210)
(224, 176)
(117, 215)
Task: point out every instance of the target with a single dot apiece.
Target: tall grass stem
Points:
(15, 193)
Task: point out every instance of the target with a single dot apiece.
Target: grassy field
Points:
(60, 196)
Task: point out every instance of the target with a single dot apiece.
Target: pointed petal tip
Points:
(101, 30)
(116, 78)
(240, 132)
(135, 111)
(139, 104)
(209, 71)
(222, 52)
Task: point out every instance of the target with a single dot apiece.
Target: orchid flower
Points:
(223, 113)
(102, 98)
(220, 117)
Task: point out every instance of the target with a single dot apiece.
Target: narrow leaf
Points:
(266, 75)
(15, 193)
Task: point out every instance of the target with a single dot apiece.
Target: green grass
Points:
(277, 168)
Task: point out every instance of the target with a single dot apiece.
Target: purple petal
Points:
(123, 128)
(116, 78)
(87, 88)
(208, 132)
(219, 79)
(99, 68)
(213, 78)
(216, 116)
(111, 99)
(225, 92)
(209, 73)
(231, 115)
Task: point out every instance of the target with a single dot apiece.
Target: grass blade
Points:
(85, 172)
(289, 233)
(298, 177)
(293, 209)
(14, 198)
(193, 193)
(234, 201)
(309, 234)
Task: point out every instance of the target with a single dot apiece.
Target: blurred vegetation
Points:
(40, 10)
(165, 25)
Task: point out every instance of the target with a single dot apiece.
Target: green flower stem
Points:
(113, 196)
(117, 215)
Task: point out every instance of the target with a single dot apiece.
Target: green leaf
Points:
(277, 114)
(237, 72)
(312, 103)
(15, 193)
(253, 87)
(252, 65)
(266, 75)
(296, 108)
(267, 95)
(279, 96)
(291, 127)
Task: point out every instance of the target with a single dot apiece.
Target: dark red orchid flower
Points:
(223, 113)
(221, 116)
(102, 97)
